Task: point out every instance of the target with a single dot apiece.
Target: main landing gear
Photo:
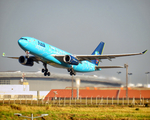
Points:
(45, 70)
(72, 72)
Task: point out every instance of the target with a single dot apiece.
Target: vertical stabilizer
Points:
(98, 51)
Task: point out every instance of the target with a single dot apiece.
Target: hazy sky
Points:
(78, 26)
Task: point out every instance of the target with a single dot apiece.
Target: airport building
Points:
(32, 84)
(102, 92)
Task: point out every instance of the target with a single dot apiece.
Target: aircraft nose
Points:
(22, 42)
(19, 42)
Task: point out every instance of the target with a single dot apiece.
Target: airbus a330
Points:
(48, 54)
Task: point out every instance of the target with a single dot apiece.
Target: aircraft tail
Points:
(98, 51)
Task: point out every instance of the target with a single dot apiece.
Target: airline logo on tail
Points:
(97, 61)
(96, 53)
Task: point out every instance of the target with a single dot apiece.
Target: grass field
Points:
(75, 112)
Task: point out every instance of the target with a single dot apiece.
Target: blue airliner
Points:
(48, 54)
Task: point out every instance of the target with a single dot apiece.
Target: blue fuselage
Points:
(45, 51)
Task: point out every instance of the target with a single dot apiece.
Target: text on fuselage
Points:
(41, 44)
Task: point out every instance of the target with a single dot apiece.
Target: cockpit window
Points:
(23, 38)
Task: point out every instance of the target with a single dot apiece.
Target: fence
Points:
(78, 102)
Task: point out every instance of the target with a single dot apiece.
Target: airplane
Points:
(48, 54)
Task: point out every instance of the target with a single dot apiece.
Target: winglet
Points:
(3, 54)
(144, 52)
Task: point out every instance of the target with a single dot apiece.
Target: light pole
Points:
(20, 115)
(72, 88)
(129, 77)
(126, 66)
(147, 77)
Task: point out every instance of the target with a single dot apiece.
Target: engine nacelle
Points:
(26, 61)
(70, 60)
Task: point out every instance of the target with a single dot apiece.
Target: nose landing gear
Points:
(45, 71)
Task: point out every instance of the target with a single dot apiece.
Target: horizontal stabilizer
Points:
(102, 67)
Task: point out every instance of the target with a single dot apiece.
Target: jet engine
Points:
(24, 60)
(70, 60)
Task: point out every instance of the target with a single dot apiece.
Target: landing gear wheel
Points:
(43, 70)
(45, 74)
(72, 72)
(68, 70)
(48, 74)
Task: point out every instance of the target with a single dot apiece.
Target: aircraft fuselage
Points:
(45, 51)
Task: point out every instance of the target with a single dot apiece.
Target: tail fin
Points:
(98, 51)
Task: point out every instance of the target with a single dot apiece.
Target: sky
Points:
(78, 27)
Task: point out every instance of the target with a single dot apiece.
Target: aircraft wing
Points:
(9, 56)
(36, 59)
(99, 57)
(109, 57)
(13, 57)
